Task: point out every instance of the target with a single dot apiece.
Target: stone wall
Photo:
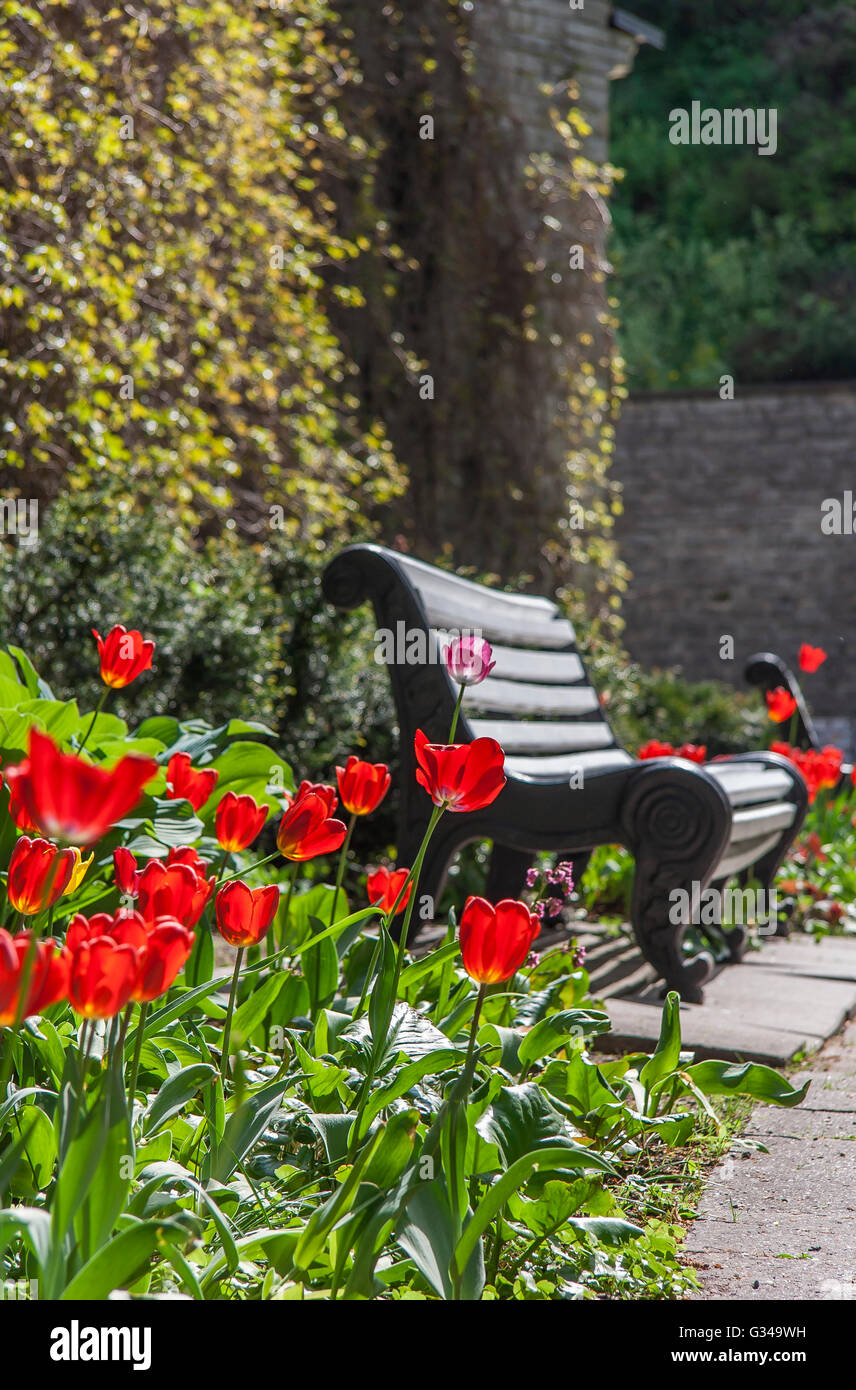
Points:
(722, 531)
(549, 43)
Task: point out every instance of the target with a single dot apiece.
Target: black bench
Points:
(769, 672)
(687, 826)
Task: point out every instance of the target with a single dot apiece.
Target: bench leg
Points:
(507, 874)
(677, 826)
(733, 936)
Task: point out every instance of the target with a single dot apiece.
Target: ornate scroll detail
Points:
(677, 823)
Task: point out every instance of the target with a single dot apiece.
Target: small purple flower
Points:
(554, 907)
(532, 876)
(538, 908)
(579, 956)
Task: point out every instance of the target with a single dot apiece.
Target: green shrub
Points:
(241, 630)
(642, 705)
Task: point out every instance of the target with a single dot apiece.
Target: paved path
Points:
(787, 998)
(782, 1225)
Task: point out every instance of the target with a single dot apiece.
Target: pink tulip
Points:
(468, 660)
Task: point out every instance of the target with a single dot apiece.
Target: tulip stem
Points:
(24, 985)
(292, 879)
(454, 724)
(412, 877)
(138, 1049)
(95, 714)
(233, 994)
(469, 1063)
(240, 872)
(340, 872)
(379, 1040)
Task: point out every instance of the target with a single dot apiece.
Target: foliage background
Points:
(729, 262)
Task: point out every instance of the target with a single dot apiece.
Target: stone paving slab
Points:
(782, 1224)
(784, 1000)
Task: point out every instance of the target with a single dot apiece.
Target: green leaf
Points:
(407, 1077)
(320, 970)
(665, 1059)
(108, 1187)
(428, 1236)
(557, 1029)
(521, 1120)
(122, 1260)
(247, 769)
(175, 1093)
(382, 992)
(249, 1015)
(607, 1230)
(498, 1194)
(746, 1079)
(503, 1046)
(392, 1155)
(35, 685)
(40, 1145)
(243, 1128)
(33, 1225)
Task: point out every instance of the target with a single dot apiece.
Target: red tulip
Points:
(693, 752)
(17, 810)
(124, 656)
(125, 872)
(306, 830)
(811, 657)
(39, 874)
(818, 768)
(468, 660)
(780, 704)
(383, 887)
(460, 776)
(173, 890)
(126, 928)
(72, 800)
(328, 794)
(186, 854)
(362, 786)
(102, 976)
(166, 951)
(48, 978)
(238, 821)
(655, 749)
(187, 783)
(244, 914)
(495, 941)
(160, 950)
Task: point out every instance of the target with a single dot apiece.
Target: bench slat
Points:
(514, 628)
(745, 783)
(546, 737)
(518, 697)
(560, 768)
(761, 820)
(522, 664)
(465, 594)
(746, 852)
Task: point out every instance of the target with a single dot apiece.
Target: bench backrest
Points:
(538, 701)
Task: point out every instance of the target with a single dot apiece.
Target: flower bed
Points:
(332, 1117)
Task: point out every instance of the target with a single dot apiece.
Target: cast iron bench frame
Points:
(674, 816)
(768, 672)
